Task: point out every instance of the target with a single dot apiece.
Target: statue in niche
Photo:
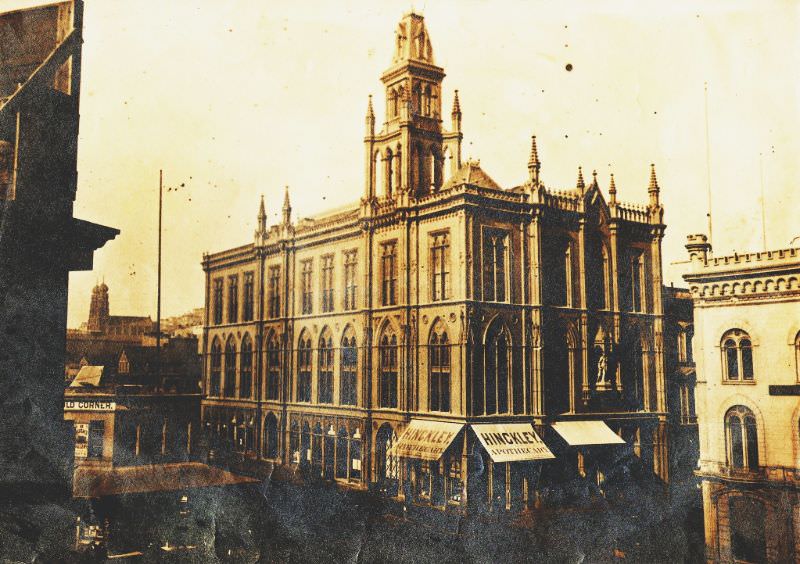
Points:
(602, 368)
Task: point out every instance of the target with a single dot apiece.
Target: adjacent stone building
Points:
(747, 350)
(444, 304)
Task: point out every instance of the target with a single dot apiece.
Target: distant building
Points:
(399, 342)
(40, 240)
(102, 323)
(747, 350)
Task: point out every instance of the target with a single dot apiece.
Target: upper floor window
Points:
(217, 301)
(388, 370)
(307, 267)
(216, 369)
(350, 281)
(246, 368)
(325, 373)
(684, 344)
(304, 368)
(273, 291)
(349, 365)
(569, 290)
(327, 283)
(439, 363)
(742, 438)
(273, 368)
(495, 262)
(233, 298)
(389, 273)
(247, 309)
(637, 282)
(124, 366)
(230, 369)
(737, 356)
(797, 355)
(440, 266)
(605, 282)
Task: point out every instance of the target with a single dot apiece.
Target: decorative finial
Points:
(612, 191)
(287, 208)
(653, 188)
(580, 185)
(370, 112)
(533, 162)
(594, 178)
(456, 104)
(262, 217)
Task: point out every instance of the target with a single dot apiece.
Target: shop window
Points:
(97, 431)
(271, 436)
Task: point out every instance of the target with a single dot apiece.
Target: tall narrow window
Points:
(569, 290)
(230, 369)
(97, 430)
(233, 299)
(307, 286)
(349, 365)
(247, 313)
(389, 172)
(742, 438)
(495, 378)
(439, 362)
(273, 291)
(797, 355)
(440, 266)
(494, 266)
(350, 280)
(246, 369)
(737, 352)
(637, 282)
(388, 370)
(327, 283)
(218, 301)
(304, 369)
(605, 293)
(273, 369)
(216, 369)
(325, 372)
(389, 273)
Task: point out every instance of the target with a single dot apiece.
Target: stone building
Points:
(101, 322)
(41, 241)
(444, 304)
(747, 350)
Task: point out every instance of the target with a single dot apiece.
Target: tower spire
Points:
(370, 119)
(262, 217)
(456, 113)
(612, 191)
(287, 208)
(653, 188)
(534, 165)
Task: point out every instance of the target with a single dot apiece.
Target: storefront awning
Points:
(426, 440)
(510, 442)
(583, 433)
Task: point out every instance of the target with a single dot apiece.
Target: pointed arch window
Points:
(387, 351)
(493, 391)
(349, 365)
(742, 438)
(389, 172)
(440, 266)
(439, 368)
(637, 276)
(797, 355)
(495, 259)
(230, 369)
(246, 369)
(325, 372)
(737, 357)
(304, 369)
(605, 294)
(273, 368)
(393, 103)
(216, 369)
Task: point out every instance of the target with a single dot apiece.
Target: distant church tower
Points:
(411, 153)
(98, 309)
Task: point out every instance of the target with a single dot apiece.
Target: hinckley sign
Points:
(426, 440)
(89, 405)
(511, 442)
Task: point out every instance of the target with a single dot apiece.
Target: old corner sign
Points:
(89, 405)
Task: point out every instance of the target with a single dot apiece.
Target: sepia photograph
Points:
(431, 281)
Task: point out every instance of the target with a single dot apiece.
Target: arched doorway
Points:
(386, 465)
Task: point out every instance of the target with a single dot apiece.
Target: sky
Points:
(234, 100)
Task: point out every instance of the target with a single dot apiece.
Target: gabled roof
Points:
(471, 173)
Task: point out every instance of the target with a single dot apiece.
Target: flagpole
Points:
(158, 298)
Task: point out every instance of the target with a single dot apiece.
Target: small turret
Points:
(534, 165)
(653, 188)
(456, 114)
(612, 191)
(287, 208)
(261, 228)
(699, 248)
(370, 119)
(580, 185)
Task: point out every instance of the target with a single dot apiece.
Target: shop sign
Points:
(81, 440)
(89, 405)
(511, 442)
(426, 440)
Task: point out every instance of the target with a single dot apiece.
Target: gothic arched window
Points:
(439, 370)
(387, 352)
(216, 368)
(496, 385)
(348, 364)
(325, 372)
(230, 369)
(797, 355)
(246, 368)
(742, 438)
(737, 356)
(304, 368)
(273, 368)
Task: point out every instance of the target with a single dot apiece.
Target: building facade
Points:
(441, 302)
(41, 240)
(747, 350)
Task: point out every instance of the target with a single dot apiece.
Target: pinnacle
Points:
(653, 180)
(612, 190)
(456, 104)
(534, 160)
(580, 183)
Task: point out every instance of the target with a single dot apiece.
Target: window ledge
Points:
(740, 382)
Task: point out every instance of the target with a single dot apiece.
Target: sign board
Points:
(89, 405)
(81, 440)
(426, 440)
(511, 442)
(785, 390)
